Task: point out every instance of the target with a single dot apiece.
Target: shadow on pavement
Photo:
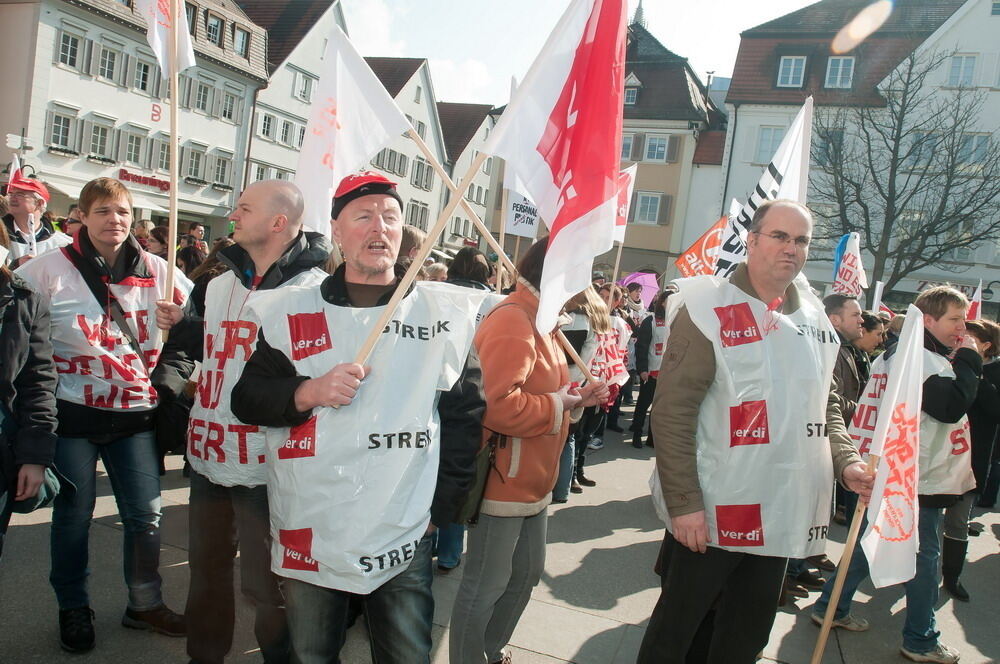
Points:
(606, 575)
(579, 523)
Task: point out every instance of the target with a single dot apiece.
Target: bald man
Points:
(228, 505)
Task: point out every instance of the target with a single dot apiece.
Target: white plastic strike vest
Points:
(945, 460)
(97, 366)
(764, 459)
(350, 490)
(656, 345)
(53, 241)
(219, 446)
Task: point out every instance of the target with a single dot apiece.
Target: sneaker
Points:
(76, 629)
(505, 658)
(161, 620)
(810, 581)
(595, 444)
(850, 622)
(941, 654)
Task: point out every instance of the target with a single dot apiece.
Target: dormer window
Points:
(632, 85)
(791, 71)
(840, 72)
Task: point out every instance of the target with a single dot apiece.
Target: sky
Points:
(475, 46)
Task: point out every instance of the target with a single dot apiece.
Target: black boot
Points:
(637, 440)
(952, 561)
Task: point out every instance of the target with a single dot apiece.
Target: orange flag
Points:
(700, 256)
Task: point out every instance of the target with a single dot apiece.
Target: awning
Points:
(441, 254)
(140, 201)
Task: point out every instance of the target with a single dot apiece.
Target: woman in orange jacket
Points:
(528, 405)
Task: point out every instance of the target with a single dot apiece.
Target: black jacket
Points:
(265, 396)
(984, 422)
(27, 379)
(643, 337)
(44, 232)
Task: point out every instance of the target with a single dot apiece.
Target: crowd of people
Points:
(338, 482)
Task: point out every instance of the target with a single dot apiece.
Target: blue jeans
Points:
(134, 469)
(398, 614)
(919, 633)
(567, 461)
(450, 540)
(221, 520)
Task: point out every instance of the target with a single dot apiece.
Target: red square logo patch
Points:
(298, 549)
(739, 525)
(748, 424)
(301, 441)
(738, 326)
(309, 334)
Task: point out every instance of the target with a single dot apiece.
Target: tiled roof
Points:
(459, 124)
(286, 22)
(828, 16)
(809, 31)
(710, 148)
(670, 90)
(394, 72)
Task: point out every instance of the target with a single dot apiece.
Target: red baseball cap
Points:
(357, 185)
(29, 184)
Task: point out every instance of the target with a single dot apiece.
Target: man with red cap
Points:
(364, 462)
(30, 235)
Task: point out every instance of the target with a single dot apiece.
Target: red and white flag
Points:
(848, 269)
(157, 14)
(15, 172)
(891, 540)
(561, 134)
(626, 185)
(353, 117)
(976, 306)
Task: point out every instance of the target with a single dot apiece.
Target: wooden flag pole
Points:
(842, 567)
(503, 237)
(618, 262)
(517, 249)
(425, 249)
(174, 48)
(485, 232)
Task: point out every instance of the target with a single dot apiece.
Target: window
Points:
(839, 72)
(286, 132)
(829, 144)
(631, 94)
(133, 149)
(302, 135)
(421, 129)
(59, 136)
(201, 97)
(648, 211)
(416, 214)
(214, 26)
(141, 81)
(109, 59)
(627, 147)
(195, 161)
(656, 148)
(488, 165)
(229, 106)
(423, 174)
(241, 42)
(163, 160)
(417, 96)
(222, 170)
(768, 140)
(791, 71)
(191, 10)
(69, 49)
(260, 173)
(995, 11)
(963, 68)
(267, 126)
(304, 87)
(99, 140)
(279, 175)
(972, 149)
(921, 149)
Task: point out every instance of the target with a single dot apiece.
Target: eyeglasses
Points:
(801, 242)
(21, 194)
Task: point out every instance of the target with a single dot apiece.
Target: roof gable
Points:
(828, 16)
(287, 23)
(394, 72)
(459, 124)
(668, 87)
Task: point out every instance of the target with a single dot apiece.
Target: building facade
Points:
(95, 104)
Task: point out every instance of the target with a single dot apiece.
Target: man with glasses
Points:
(30, 235)
(748, 434)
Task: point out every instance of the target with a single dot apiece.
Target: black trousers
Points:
(642, 404)
(742, 589)
(590, 422)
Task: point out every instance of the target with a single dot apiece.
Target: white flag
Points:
(891, 540)
(353, 117)
(976, 305)
(787, 176)
(561, 135)
(157, 15)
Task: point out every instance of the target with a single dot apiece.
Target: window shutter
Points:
(404, 163)
(86, 137)
(181, 164)
(238, 110)
(428, 177)
(48, 127)
(631, 208)
(88, 65)
(186, 83)
(124, 70)
(638, 146)
(155, 81)
(58, 49)
(118, 140)
(210, 160)
(666, 203)
(216, 103)
(673, 145)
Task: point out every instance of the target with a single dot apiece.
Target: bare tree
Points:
(918, 178)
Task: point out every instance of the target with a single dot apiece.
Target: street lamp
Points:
(988, 295)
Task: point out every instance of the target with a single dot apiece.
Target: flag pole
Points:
(503, 235)
(618, 261)
(502, 258)
(842, 567)
(174, 142)
(517, 249)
